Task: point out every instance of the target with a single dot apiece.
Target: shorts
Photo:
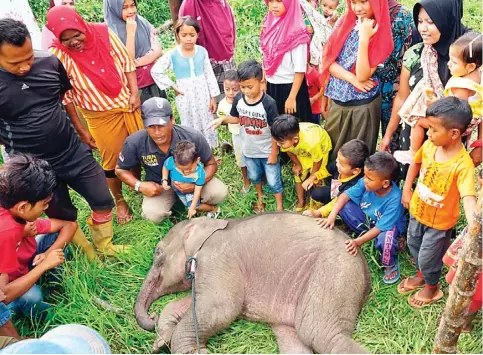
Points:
(237, 149)
(4, 314)
(187, 199)
(256, 167)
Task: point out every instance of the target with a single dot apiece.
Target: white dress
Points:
(195, 78)
(20, 10)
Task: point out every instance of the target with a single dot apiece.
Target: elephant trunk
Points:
(147, 295)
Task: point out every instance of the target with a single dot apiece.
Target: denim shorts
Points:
(256, 167)
(4, 314)
(186, 198)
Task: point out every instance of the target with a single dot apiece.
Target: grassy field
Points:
(387, 323)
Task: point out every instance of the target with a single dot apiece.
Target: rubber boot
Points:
(102, 236)
(81, 241)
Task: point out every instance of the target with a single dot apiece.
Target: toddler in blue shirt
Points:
(372, 209)
(185, 167)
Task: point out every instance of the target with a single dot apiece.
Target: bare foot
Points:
(122, 212)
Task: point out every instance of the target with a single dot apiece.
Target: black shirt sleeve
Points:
(129, 157)
(65, 84)
(270, 108)
(234, 111)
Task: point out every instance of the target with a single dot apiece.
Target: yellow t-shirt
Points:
(475, 101)
(435, 202)
(314, 145)
(224, 109)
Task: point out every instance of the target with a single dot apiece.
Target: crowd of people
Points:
(326, 88)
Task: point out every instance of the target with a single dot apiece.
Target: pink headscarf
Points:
(47, 36)
(282, 34)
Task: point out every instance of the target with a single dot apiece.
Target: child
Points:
(349, 169)
(29, 245)
(315, 92)
(284, 41)
(308, 146)
(465, 83)
(361, 42)
(329, 10)
(184, 166)
(446, 174)
(140, 39)
(255, 111)
(196, 87)
(231, 87)
(372, 209)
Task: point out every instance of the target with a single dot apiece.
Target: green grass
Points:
(387, 323)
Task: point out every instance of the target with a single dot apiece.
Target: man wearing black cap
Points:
(150, 147)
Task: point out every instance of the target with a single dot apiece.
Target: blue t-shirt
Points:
(386, 211)
(197, 177)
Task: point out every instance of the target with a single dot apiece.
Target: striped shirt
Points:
(84, 94)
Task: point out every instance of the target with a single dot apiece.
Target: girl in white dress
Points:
(196, 86)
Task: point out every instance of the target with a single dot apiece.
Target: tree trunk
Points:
(462, 288)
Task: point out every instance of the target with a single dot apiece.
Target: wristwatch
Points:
(137, 185)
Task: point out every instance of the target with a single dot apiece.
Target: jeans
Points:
(385, 242)
(257, 166)
(32, 301)
(4, 314)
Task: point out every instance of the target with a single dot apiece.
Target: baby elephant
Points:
(278, 268)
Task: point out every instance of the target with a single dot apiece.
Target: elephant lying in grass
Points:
(278, 268)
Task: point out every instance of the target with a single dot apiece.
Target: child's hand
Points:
(212, 106)
(430, 97)
(272, 159)
(333, 19)
(308, 183)
(297, 169)
(177, 91)
(351, 246)
(2, 296)
(165, 185)
(364, 86)
(310, 213)
(325, 223)
(191, 212)
(131, 25)
(407, 194)
(367, 29)
(290, 106)
(38, 259)
(53, 259)
(215, 124)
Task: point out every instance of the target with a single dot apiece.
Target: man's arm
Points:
(84, 135)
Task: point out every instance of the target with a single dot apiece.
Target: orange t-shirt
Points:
(435, 202)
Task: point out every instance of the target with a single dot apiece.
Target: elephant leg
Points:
(344, 344)
(288, 341)
(168, 319)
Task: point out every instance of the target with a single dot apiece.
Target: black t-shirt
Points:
(31, 116)
(139, 148)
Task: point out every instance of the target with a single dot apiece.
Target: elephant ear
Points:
(198, 231)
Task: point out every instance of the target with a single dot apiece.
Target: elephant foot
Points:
(164, 340)
(288, 341)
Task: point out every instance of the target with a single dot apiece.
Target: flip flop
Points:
(416, 302)
(300, 209)
(258, 208)
(395, 278)
(404, 289)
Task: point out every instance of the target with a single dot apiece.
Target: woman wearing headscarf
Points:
(104, 89)
(217, 35)
(47, 36)
(388, 75)
(284, 42)
(361, 41)
(139, 37)
(439, 25)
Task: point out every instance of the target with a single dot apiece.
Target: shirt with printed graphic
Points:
(255, 122)
(435, 201)
(385, 211)
(197, 177)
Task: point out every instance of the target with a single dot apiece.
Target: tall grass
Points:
(387, 323)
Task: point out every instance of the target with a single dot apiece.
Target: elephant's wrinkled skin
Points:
(278, 268)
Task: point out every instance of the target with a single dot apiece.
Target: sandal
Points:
(387, 272)
(403, 288)
(416, 302)
(258, 208)
(244, 190)
(214, 214)
(300, 209)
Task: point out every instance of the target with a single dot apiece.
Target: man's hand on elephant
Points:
(351, 246)
(184, 187)
(150, 188)
(328, 222)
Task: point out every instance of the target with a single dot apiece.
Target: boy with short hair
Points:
(446, 174)
(308, 146)
(372, 210)
(232, 88)
(255, 111)
(184, 166)
(29, 246)
(349, 168)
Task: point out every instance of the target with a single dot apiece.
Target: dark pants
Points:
(316, 118)
(428, 246)
(85, 176)
(385, 242)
